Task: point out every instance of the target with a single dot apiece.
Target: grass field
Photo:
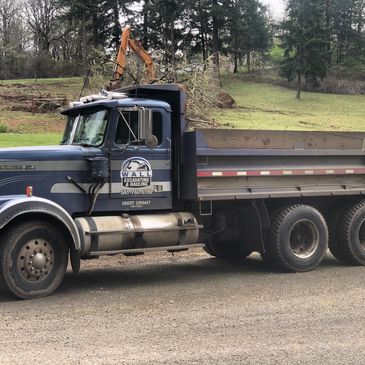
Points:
(263, 106)
(15, 116)
(259, 106)
(31, 139)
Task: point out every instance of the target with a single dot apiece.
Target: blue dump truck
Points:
(129, 177)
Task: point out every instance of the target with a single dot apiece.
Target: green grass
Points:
(16, 140)
(263, 106)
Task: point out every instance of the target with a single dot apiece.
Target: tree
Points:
(348, 27)
(304, 42)
(41, 15)
(160, 29)
(13, 40)
(200, 28)
(248, 30)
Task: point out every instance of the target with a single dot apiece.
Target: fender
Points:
(17, 205)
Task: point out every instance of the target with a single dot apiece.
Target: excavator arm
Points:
(138, 49)
(121, 62)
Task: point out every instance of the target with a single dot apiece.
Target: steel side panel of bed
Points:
(240, 164)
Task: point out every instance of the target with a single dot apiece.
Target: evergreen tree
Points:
(304, 41)
(159, 29)
(201, 27)
(248, 30)
(348, 27)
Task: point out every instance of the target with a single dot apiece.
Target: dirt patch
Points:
(34, 107)
(57, 125)
(15, 85)
(21, 108)
(33, 103)
(225, 101)
(15, 98)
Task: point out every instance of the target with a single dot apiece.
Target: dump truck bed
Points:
(226, 164)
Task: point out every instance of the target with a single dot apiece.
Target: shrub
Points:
(4, 128)
(276, 54)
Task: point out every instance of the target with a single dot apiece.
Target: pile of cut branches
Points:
(200, 81)
(204, 92)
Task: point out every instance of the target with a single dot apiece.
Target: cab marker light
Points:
(29, 191)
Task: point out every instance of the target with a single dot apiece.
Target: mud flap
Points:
(75, 261)
(253, 226)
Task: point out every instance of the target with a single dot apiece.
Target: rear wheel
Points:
(351, 235)
(298, 238)
(227, 250)
(33, 259)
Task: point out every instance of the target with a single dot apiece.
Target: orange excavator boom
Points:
(121, 62)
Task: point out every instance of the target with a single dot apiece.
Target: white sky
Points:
(277, 7)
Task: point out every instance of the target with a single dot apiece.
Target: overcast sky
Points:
(277, 6)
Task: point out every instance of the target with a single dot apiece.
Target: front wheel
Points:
(33, 259)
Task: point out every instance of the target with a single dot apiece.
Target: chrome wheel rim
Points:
(36, 260)
(304, 238)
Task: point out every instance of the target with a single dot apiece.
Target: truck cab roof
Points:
(119, 103)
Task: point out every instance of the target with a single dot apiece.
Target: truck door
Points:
(141, 169)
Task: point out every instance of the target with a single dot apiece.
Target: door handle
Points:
(169, 150)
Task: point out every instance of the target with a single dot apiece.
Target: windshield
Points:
(86, 129)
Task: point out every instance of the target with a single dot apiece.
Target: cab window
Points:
(86, 129)
(127, 129)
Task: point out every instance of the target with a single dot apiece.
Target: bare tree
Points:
(42, 15)
(12, 36)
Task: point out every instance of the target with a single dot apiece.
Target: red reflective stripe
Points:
(205, 174)
(295, 172)
(229, 173)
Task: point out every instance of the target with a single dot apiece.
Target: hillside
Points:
(263, 106)
(18, 125)
(259, 106)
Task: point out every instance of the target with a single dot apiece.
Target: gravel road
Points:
(190, 309)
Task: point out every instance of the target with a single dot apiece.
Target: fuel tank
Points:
(128, 232)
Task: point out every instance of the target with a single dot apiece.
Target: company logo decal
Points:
(136, 176)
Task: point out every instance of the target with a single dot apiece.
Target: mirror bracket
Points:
(145, 127)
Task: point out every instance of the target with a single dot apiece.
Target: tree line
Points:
(319, 34)
(51, 38)
(46, 38)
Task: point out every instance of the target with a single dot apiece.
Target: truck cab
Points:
(111, 186)
(128, 147)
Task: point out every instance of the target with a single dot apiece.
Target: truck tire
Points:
(229, 250)
(351, 235)
(334, 243)
(298, 238)
(267, 255)
(33, 259)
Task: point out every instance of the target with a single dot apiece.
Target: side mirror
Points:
(145, 128)
(152, 142)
